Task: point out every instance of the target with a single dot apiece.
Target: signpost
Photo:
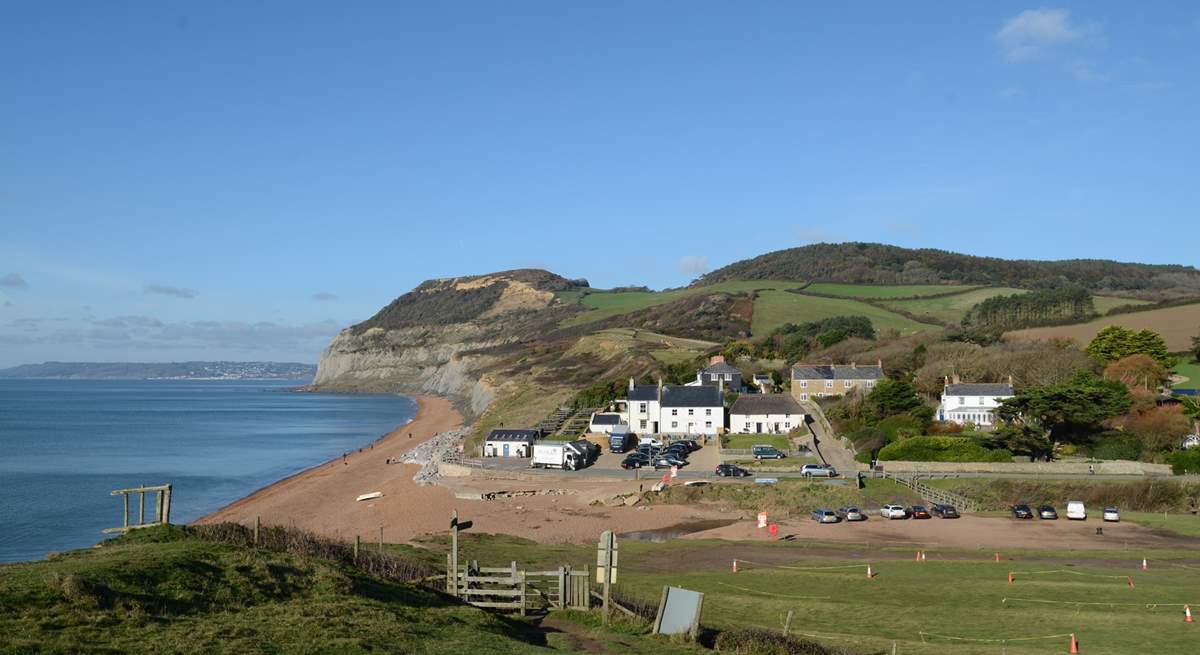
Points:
(762, 519)
(452, 577)
(606, 567)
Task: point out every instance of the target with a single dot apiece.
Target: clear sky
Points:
(238, 180)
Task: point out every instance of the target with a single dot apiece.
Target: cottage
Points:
(820, 380)
(676, 409)
(719, 373)
(1191, 441)
(773, 413)
(972, 402)
(764, 383)
(604, 422)
(510, 443)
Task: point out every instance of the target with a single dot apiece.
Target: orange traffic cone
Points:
(922, 556)
(1187, 614)
(870, 574)
(735, 566)
(1010, 578)
(917, 557)
(997, 557)
(1143, 563)
(1074, 644)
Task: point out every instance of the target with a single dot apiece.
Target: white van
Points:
(650, 441)
(1076, 511)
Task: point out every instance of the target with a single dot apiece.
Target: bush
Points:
(900, 426)
(1185, 461)
(941, 449)
(1117, 446)
(756, 641)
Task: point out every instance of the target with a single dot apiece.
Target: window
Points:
(674, 412)
(803, 396)
(870, 383)
(708, 412)
(691, 412)
(747, 427)
(787, 425)
(804, 384)
(708, 424)
(643, 424)
(642, 407)
(848, 383)
(674, 424)
(962, 400)
(829, 384)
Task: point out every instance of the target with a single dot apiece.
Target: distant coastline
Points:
(196, 370)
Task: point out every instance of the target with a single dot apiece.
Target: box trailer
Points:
(569, 456)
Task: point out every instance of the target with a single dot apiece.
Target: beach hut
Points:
(510, 443)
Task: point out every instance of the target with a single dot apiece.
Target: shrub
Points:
(1185, 461)
(900, 426)
(942, 449)
(756, 641)
(1117, 446)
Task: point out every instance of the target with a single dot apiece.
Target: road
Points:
(828, 446)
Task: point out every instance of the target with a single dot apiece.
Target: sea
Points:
(66, 444)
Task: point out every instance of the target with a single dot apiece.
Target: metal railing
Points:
(932, 494)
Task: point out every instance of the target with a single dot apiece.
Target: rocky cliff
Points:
(460, 337)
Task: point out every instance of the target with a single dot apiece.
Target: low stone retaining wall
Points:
(1113, 467)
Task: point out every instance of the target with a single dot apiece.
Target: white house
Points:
(604, 422)
(510, 443)
(676, 409)
(972, 402)
(1191, 441)
(772, 413)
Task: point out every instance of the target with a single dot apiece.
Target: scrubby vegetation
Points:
(1140, 496)
(1041, 307)
(756, 641)
(941, 449)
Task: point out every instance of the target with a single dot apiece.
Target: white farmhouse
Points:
(675, 409)
(773, 413)
(510, 443)
(972, 402)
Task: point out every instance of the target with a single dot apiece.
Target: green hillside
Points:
(883, 291)
(774, 308)
(603, 304)
(950, 309)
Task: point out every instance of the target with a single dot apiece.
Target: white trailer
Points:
(569, 456)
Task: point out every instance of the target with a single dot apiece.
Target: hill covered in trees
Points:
(874, 263)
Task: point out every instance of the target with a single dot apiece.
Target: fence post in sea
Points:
(257, 526)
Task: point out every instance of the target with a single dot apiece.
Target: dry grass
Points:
(1176, 324)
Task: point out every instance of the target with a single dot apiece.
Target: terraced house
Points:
(820, 380)
(675, 409)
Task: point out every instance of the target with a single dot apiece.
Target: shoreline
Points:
(299, 498)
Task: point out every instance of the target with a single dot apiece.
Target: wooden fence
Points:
(510, 588)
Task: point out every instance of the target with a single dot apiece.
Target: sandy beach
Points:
(322, 499)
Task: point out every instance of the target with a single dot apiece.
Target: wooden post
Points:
(167, 507)
(606, 561)
(522, 597)
(141, 506)
(357, 545)
(126, 496)
(381, 541)
(257, 527)
(513, 575)
(454, 549)
(449, 579)
(787, 623)
(562, 588)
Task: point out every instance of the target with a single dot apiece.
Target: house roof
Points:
(605, 419)
(766, 403)
(721, 367)
(762, 377)
(681, 396)
(501, 434)
(979, 389)
(836, 372)
(644, 392)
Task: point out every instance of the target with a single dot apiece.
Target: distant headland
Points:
(162, 371)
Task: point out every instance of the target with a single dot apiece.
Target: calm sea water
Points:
(65, 444)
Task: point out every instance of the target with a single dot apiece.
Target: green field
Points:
(735, 441)
(1189, 370)
(1105, 303)
(880, 292)
(603, 304)
(774, 308)
(950, 309)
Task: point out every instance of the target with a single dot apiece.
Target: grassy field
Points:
(881, 292)
(951, 309)
(1177, 325)
(1189, 370)
(774, 308)
(1105, 303)
(603, 304)
(959, 594)
(780, 441)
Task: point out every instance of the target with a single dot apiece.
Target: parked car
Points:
(666, 462)
(944, 511)
(763, 451)
(919, 512)
(1111, 514)
(635, 461)
(818, 471)
(893, 512)
(731, 470)
(1022, 512)
(678, 449)
(851, 513)
(1047, 513)
(648, 450)
(1076, 511)
(691, 444)
(825, 516)
(650, 441)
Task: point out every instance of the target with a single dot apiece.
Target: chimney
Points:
(946, 380)
(879, 363)
(956, 379)
(716, 359)
(660, 389)
(1010, 381)
(631, 383)
(853, 364)
(721, 385)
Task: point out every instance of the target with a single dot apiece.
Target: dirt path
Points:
(827, 444)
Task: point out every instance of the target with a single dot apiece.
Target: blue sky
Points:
(240, 180)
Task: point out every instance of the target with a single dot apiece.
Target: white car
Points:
(893, 512)
(1111, 514)
(1076, 511)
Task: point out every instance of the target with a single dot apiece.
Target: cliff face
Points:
(454, 337)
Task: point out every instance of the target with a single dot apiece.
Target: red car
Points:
(919, 512)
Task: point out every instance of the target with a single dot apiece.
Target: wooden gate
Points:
(509, 588)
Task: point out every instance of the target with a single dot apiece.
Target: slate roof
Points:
(643, 392)
(721, 367)
(766, 403)
(837, 372)
(501, 434)
(681, 396)
(979, 389)
(606, 419)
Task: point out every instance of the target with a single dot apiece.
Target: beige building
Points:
(819, 380)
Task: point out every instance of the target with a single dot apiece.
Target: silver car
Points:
(818, 471)
(825, 516)
(850, 513)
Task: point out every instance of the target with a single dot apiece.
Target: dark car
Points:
(944, 511)
(731, 470)
(667, 461)
(1047, 513)
(919, 512)
(678, 449)
(1022, 512)
(635, 461)
(648, 450)
(691, 444)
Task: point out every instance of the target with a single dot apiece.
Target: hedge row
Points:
(941, 449)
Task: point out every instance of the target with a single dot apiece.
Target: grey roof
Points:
(606, 419)
(681, 396)
(836, 372)
(644, 392)
(766, 403)
(501, 434)
(763, 377)
(721, 367)
(979, 389)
